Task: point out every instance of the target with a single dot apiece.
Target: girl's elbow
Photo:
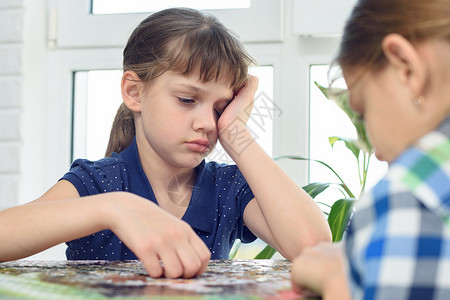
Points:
(323, 235)
(321, 232)
(306, 241)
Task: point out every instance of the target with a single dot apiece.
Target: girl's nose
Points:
(205, 121)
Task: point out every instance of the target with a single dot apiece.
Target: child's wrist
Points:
(235, 137)
(110, 207)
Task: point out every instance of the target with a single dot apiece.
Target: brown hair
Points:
(371, 20)
(182, 40)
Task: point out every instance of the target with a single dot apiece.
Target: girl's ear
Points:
(406, 60)
(130, 87)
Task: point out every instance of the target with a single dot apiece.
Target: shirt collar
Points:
(425, 170)
(138, 182)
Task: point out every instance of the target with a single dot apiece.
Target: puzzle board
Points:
(224, 279)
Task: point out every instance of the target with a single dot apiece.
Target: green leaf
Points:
(333, 139)
(315, 188)
(266, 253)
(339, 217)
(351, 144)
(340, 97)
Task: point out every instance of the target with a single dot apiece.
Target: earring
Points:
(418, 101)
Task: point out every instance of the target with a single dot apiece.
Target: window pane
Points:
(97, 97)
(136, 6)
(96, 100)
(327, 119)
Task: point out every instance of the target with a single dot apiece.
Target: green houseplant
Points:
(341, 210)
(362, 150)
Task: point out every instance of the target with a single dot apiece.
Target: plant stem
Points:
(359, 169)
(366, 169)
(319, 202)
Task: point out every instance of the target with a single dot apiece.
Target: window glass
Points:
(327, 119)
(97, 97)
(136, 6)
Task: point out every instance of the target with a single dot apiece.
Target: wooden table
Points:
(224, 279)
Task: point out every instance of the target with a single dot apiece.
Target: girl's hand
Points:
(240, 107)
(321, 269)
(154, 235)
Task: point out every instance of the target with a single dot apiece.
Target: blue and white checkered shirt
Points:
(398, 242)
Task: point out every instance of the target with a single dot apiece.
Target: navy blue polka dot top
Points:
(215, 211)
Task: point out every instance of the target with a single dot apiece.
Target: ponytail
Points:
(122, 131)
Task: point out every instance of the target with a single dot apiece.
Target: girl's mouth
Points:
(199, 145)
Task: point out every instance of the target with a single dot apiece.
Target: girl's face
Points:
(179, 117)
(391, 118)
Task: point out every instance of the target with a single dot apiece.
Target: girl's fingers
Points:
(193, 255)
(184, 260)
(172, 265)
(241, 105)
(190, 261)
(163, 237)
(248, 91)
(202, 252)
(153, 266)
(252, 84)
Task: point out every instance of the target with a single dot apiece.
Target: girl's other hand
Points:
(166, 245)
(241, 106)
(321, 269)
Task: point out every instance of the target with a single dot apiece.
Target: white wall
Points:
(23, 105)
(22, 99)
(11, 104)
(36, 108)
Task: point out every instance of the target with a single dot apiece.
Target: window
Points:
(135, 6)
(96, 99)
(74, 26)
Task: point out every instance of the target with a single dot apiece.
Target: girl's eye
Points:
(186, 101)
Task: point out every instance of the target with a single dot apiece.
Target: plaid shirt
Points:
(398, 242)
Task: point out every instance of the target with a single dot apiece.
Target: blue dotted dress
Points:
(215, 211)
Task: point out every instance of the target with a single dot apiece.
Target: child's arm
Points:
(150, 232)
(283, 215)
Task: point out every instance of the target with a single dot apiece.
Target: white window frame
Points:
(323, 18)
(77, 27)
